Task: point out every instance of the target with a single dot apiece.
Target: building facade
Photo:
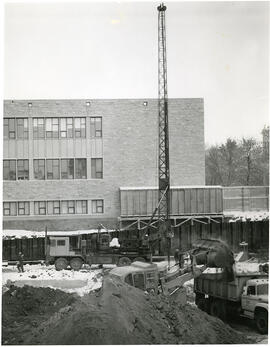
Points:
(64, 161)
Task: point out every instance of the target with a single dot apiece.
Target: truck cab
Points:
(254, 302)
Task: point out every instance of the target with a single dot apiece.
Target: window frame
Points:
(9, 161)
(24, 177)
(95, 207)
(94, 173)
(68, 166)
(38, 167)
(39, 129)
(81, 130)
(38, 207)
(78, 173)
(25, 133)
(9, 203)
(52, 163)
(7, 128)
(25, 208)
(94, 132)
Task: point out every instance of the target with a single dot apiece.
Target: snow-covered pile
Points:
(18, 234)
(38, 275)
(252, 216)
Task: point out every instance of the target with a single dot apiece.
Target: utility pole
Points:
(163, 167)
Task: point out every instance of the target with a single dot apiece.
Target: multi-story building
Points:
(65, 160)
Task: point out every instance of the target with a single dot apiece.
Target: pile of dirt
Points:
(25, 308)
(121, 314)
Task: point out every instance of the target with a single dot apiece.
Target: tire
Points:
(218, 309)
(124, 261)
(261, 319)
(61, 264)
(139, 259)
(201, 304)
(76, 264)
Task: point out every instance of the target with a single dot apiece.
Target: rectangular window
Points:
(23, 169)
(66, 127)
(68, 207)
(9, 170)
(81, 207)
(38, 128)
(80, 168)
(97, 168)
(9, 128)
(67, 168)
(52, 128)
(96, 127)
(10, 209)
(22, 128)
(40, 207)
(39, 169)
(53, 207)
(79, 127)
(53, 169)
(61, 242)
(23, 208)
(97, 206)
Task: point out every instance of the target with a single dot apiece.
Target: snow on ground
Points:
(248, 215)
(80, 282)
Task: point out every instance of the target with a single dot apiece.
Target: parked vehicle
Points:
(74, 251)
(246, 295)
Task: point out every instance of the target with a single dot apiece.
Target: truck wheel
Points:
(76, 264)
(201, 304)
(124, 261)
(61, 264)
(261, 320)
(140, 259)
(216, 309)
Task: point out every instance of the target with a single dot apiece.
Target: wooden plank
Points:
(200, 200)
(193, 200)
(174, 202)
(143, 202)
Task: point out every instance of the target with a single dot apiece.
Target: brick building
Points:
(65, 160)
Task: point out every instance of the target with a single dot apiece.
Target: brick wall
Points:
(129, 148)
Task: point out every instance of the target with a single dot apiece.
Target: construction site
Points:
(97, 253)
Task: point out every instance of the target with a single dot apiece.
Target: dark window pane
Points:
(67, 168)
(9, 170)
(22, 128)
(97, 168)
(23, 169)
(53, 170)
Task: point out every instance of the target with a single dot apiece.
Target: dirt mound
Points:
(121, 314)
(26, 307)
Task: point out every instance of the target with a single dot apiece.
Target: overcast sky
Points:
(216, 50)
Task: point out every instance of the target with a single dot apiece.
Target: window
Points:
(61, 242)
(68, 207)
(129, 279)
(79, 127)
(9, 170)
(23, 208)
(22, 128)
(97, 206)
(38, 128)
(53, 170)
(67, 168)
(52, 128)
(251, 290)
(53, 207)
(80, 168)
(39, 169)
(23, 169)
(138, 280)
(40, 207)
(66, 127)
(10, 209)
(9, 128)
(96, 127)
(81, 207)
(97, 168)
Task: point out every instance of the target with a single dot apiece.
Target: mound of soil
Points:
(121, 314)
(25, 308)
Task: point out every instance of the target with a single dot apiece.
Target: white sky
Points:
(215, 50)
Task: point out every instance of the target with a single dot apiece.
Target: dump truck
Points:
(246, 295)
(74, 251)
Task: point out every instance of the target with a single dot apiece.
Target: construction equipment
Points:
(246, 295)
(74, 251)
(209, 253)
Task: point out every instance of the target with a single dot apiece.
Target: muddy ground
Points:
(115, 314)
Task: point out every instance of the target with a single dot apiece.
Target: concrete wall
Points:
(129, 148)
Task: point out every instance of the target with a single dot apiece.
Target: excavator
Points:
(157, 277)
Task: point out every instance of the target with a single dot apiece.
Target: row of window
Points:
(56, 207)
(51, 169)
(52, 128)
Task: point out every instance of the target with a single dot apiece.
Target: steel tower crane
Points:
(163, 126)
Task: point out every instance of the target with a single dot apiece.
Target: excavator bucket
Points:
(215, 254)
